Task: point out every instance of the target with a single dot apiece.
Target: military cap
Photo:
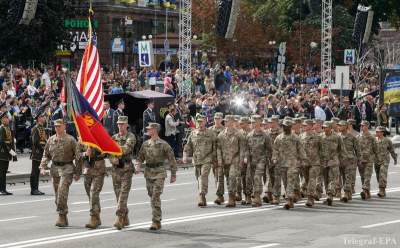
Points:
(59, 122)
(121, 101)
(288, 118)
(256, 118)
(303, 118)
(319, 121)
(153, 125)
(3, 114)
(275, 118)
(218, 115)
(229, 118)
(244, 120)
(308, 122)
(335, 120)
(200, 117)
(327, 124)
(266, 121)
(380, 129)
(351, 121)
(122, 119)
(287, 123)
(236, 117)
(297, 120)
(343, 123)
(39, 113)
(364, 123)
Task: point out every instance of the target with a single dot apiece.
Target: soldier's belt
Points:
(154, 165)
(61, 163)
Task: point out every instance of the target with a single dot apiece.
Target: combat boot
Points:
(238, 197)
(62, 220)
(265, 199)
(363, 194)
(297, 196)
(256, 201)
(269, 194)
(155, 226)
(310, 202)
(275, 200)
(345, 197)
(220, 200)
(93, 222)
(349, 196)
(98, 219)
(289, 204)
(231, 201)
(247, 200)
(329, 200)
(338, 193)
(318, 195)
(368, 194)
(353, 190)
(119, 222)
(202, 201)
(126, 221)
(382, 192)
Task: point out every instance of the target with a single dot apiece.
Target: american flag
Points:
(89, 77)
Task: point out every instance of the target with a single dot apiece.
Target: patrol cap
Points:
(153, 125)
(343, 123)
(200, 117)
(122, 119)
(275, 118)
(229, 118)
(288, 118)
(256, 118)
(58, 122)
(236, 117)
(308, 122)
(335, 120)
(287, 123)
(303, 118)
(364, 123)
(380, 129)
(327, 124)
(266, 121)
(297, 120)
(244, 120)
(351, 121)
(319, 121)
(218, 115)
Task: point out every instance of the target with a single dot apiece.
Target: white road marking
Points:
(265, 246)
(144, 188)
(19, 218)
(87, 202)
(381, 224)
(22, 202)
(130, 204)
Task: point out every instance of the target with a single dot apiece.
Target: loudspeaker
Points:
(228, 11)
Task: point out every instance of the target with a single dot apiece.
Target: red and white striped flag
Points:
(89, 77)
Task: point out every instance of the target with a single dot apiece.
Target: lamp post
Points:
(313, 46)
(272, 44)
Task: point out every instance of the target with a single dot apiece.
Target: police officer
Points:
(154, 152)
(7, 151)
(122, 171)
(38, 141)
(61, 150)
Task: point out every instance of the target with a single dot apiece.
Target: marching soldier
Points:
(202, 146)
(384, 149)
(320, 178)
(218, 171)
(92, 162)
(349, 165)
(60, 149)
(241, 179)
(230, 157)
(122, 171)
(368, 156)
(259, 152)
(354, 133)
(154, 152)
(7, 152)
(38, 141)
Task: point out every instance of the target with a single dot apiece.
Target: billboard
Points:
(391, 91)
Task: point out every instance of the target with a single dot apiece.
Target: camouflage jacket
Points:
(259, 147)
(229, 150)
(59, 150)
(127, 144)
(352, 146)
(333, 150)
(368, 149)
(384, 150)
(202, 146)
(312, 144)
(93, 165)
(288, 151)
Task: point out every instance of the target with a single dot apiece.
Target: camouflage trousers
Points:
(220, 184)
(93, 186)
(381, 171)
(365, 169)
(122, 182)
(155, 188)
(320, 181)
(347, 174)
(331, 179)
(310, 174)
(259, 172)
(231, 171)
(202, 173)
(241, 180)
(62, 179)
(250, 171)
(269, 179)
(281, 174)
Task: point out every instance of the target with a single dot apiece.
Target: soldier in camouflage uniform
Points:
(296, 130)
(384, 150)
(94, 171)
(348, 166)
(258, 153)
(333, 151)
(154, 152)
(313, 144)
(368, 156)
(320, 178)
(273, 132)
(287, 152)
(230, 156)
(203, 147)
(61, 150)
(218, 171)
(335, 125)
(241, 179)
(122, 171)
(352, 131)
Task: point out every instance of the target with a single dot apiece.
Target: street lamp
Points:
(194, 37)
(313, 45)
(144, 37)
(271, 42)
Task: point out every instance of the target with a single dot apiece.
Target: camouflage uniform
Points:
(61, 151)
(270, 170)
(259, 152)
(122, 171)
(354, 171)
(202, 146)
(218, 172)
(241, 178)
(154, 153)
(384, 149)
(368, 154)
(94, 170)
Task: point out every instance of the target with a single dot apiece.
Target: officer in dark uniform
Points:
(108, 118)
(7, 151)
(117, 113)
(38, 141)
(148, 117)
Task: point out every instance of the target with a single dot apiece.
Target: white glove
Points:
(12, 153)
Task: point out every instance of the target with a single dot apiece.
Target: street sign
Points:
(145, 53)
(342, 78)
(118, 45)
(349, 56)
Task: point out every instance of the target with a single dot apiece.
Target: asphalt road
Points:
(28, 221)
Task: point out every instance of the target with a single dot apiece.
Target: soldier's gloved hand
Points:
(173, 179)
(12, 153)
